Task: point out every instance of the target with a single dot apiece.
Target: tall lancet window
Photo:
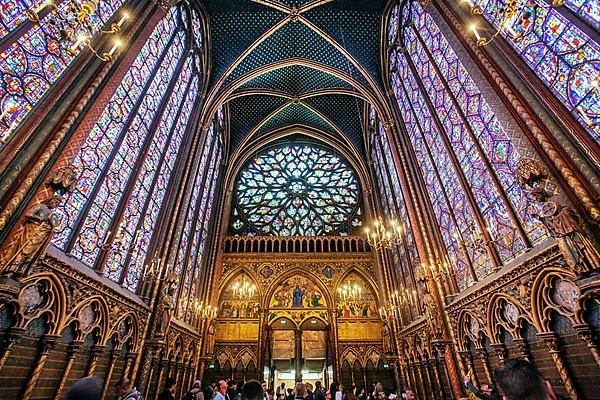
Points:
(392, 198)
(128, 159)
(466, 157)
(564, 57)
(192, 245)
(33, 57)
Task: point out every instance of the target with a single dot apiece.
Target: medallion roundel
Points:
(296, 189)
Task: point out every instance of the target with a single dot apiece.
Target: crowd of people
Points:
(516, 379)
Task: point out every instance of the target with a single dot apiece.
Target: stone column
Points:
(71, 354)
(486, 363)
(298, 354)
(112, 361)
(47, 343)
(587, 335)
(9, 340)
(95, 353)
(552, 343)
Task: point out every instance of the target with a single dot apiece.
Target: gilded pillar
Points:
(483, 356)
(438, 377)
(47, 343)
(523, 346)
(112, 360)
(468, 361)
(425, 364)
(500, 351)
(9, 340)
(161, 372)
(298, 354)
(439, 392)
(129, 358)
(552, 343)
(71, 354)
(95, 353)
(587, 335)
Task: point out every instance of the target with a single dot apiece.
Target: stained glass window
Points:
(390, 193)
(190, 255)
(127, 160)
(565, 58)
(296, 189)
(463, 151)
(33, 62)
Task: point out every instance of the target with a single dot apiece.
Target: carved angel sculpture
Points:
(31, 239)
(563, 224)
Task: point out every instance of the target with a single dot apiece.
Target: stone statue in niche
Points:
(559, 219)
(31, 239)
(563, 223)
(166, 305)
(387, 340)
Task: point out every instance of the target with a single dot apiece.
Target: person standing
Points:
(300, 391)
(195, 393)
(222, 391)
(126, 391)
(319, 393)
(265, 395)
(281, 391)
(520, 379)
(485, 391)
(252, 390)
(167, 394)
(88, 388)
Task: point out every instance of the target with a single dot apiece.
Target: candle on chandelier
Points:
(124, 18)
(474, 30)
(47, 3)
(114, 48)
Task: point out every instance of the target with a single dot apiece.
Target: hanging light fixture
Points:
(350, 291)
(382, 235)
(243, 290)
(74, 24)
(512, 19)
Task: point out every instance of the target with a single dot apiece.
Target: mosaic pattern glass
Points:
(565, 58)
(296, 190)
(447, 196)
(196, 193)
(496, 147)
(392, 197)
(132, 148)
(471, 138)
(197, 28)
(114, 181)
(201, 229)
(105, 135)
(34, 61)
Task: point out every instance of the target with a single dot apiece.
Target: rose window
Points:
(296, 190)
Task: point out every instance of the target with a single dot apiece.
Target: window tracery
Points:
(563, 56)
(466, 158)
(32, 63)
(296, 190)
(127, 160)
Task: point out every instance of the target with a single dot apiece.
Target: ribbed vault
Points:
(305, 64)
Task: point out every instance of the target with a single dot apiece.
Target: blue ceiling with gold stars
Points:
(284, 64)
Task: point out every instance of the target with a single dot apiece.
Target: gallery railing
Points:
(296, 244)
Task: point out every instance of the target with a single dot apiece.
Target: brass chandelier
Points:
(243, 290)
(511, 18)
(382, 235)
(74, 24)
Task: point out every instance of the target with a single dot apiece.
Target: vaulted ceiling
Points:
(285, 64)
